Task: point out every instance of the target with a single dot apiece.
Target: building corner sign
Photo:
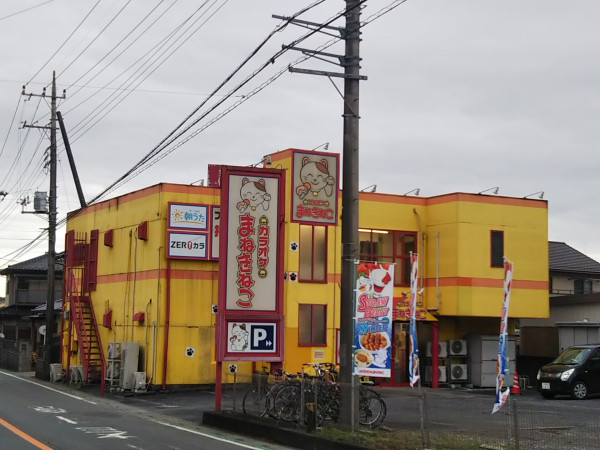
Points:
(315, 185)
(250, 323)
(187, 234)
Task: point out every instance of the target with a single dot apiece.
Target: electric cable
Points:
(65, 41)
(95, 38)
(25, 10)
(119, 96)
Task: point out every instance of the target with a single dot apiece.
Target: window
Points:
(582, 286)
(313, 253)
(389, 247)
(497, 248)
(312, 325)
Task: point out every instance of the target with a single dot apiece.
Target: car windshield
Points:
(572, 356)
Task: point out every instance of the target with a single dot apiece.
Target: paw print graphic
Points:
(294, 246)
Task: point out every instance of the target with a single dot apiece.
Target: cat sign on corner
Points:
(315, 184)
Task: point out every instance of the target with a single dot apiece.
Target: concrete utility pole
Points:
(51, 228)
(349, 402)
(351, 63)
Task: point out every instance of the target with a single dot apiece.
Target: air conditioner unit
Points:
(113, 369)
(457, 347)
(76, 374)
(441, 374)
(458, 372)
(442, 350)
(139, 382)
(56, 372)
(114, 350)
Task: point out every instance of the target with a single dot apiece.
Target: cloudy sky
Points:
(461, 96)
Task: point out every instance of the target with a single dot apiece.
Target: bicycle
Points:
(371, 407)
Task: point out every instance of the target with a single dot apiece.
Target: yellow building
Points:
(144, 268)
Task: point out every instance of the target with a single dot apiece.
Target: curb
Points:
(281, 435)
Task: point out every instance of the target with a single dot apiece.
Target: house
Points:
(574, 317)
(247, 270)
(20, 318)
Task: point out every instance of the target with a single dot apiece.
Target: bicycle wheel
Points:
(372, 408)
(254, 403)
(287, 403)
(270, 400)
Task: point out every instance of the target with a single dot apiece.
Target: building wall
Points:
(135, 275)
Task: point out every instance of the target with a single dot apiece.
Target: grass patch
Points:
(386, 439)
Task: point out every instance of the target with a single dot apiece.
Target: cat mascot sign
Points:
(315, 188)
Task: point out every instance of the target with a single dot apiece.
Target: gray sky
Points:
(462, 96)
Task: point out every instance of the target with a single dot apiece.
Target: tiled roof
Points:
(37, 264)
(564, 258)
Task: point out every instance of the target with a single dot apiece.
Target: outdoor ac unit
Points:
(441, 374)
(458, 372)
(457, 347)
(56, 372)
(113, 369)
(442, 349)
(77, 375)
(139, 382)
(114, 350)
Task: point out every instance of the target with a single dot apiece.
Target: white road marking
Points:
(210, 436)
(72, 422)
(49, 409)
(105, 432)
(48, 387)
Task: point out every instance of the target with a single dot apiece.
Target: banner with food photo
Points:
(373, 327)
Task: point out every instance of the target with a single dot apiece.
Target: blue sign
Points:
(252, 337)
(262, 337)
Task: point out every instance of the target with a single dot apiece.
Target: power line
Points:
(66, 40)
(25, 10)
(95, 38)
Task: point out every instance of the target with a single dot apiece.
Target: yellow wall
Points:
(133, 274)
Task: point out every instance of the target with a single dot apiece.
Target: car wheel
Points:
(548, 395)
(579, 390)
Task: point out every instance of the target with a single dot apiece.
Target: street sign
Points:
(251, 337)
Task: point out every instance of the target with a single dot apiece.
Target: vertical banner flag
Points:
(502, 367)
(374, 294)
(413, 362)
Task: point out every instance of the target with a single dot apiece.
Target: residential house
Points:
(574, 289)
(20, 318)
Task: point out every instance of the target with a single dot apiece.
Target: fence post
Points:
(515, 423)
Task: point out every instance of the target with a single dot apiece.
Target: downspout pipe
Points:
(167, 324)
(421, 247)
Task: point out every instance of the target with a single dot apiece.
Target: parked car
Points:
(575, 372)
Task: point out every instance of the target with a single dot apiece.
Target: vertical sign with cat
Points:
(315, 186)
(251, 263)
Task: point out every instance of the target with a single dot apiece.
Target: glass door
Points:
(399, 355)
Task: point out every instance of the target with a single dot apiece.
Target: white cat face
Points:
(253, 191)
(315, 174)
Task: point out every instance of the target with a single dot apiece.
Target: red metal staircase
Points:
(79, 256)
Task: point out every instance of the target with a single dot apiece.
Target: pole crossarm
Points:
(46, 127)
(328, 74)
(312, 25)
(341, 58)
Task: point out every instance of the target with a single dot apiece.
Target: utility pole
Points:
(349, 403)
(51, 227)
(351, 62)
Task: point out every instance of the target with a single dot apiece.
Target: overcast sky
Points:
(461, 96)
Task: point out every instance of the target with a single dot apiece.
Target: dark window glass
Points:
(497, 244)
(312, 325)
(313, 253)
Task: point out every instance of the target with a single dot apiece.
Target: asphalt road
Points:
(52, 416)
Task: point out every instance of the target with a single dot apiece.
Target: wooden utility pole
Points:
(49, 342)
